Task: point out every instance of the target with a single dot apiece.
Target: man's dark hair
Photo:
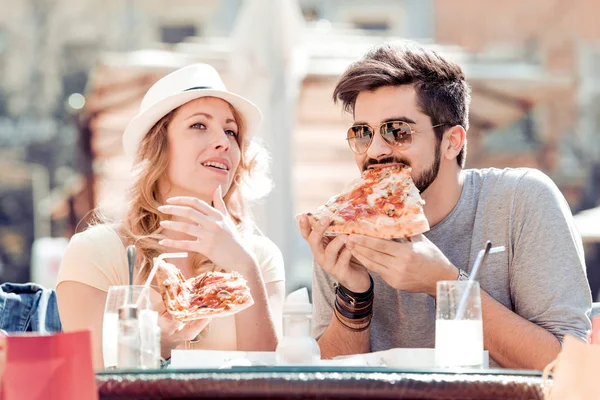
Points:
(441, 88)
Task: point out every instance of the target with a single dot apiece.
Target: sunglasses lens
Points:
(397, 133)
(359, 138)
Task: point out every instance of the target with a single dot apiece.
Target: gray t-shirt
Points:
(541, 276)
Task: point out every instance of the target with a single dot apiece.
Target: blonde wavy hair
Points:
(141, 224)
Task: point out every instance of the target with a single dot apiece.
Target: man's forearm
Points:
(338, 340)
(514, 342)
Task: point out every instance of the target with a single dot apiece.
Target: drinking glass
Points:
(458, 325)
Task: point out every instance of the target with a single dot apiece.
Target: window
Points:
(174, 34)
(3, 41)
(517, 137)
(378, 26)
(3, 102)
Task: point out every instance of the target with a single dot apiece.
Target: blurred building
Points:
(506, 86)
(533, 68)
(560, 134)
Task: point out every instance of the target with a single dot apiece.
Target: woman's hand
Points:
(173, 332)
(215, 235)
(594, 334)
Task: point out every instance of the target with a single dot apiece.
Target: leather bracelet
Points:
(351, 328)
(352, 314)
(354, 310)
(354, 306)
(353, 322)
(352, 297)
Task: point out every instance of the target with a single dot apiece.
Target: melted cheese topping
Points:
(386, 195)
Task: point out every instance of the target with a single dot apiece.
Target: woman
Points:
(191, 143)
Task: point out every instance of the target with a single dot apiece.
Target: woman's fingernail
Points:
(161, 242)
(352, 238)
(324, 221)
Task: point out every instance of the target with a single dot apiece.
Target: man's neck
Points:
(443, 194)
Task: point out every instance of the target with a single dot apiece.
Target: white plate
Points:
(220, 359)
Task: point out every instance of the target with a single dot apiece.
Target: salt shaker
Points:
(128, 338)
(297, 346)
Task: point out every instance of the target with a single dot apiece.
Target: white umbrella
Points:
(588, 225)
(266, 66)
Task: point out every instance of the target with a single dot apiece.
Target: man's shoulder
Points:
(500, 174)
(510, 179)
(523, 190)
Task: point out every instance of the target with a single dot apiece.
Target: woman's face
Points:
(203, 149)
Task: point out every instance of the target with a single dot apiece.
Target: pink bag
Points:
(57, 367)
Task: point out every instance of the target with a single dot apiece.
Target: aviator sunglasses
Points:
(395, 133)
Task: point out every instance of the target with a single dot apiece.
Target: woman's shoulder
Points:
(262, 244)
(105, 232)
(95, 257)
(101, 237)
(268, 256)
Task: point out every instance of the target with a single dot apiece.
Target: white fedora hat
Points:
(178, 88)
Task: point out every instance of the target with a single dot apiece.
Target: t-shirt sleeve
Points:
(91, 258)
(323, 297)
(269, 259)
(548, 278)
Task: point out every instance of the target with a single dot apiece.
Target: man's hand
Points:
(333, 256)
(411, 266)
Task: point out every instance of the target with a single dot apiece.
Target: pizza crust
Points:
(397, 230)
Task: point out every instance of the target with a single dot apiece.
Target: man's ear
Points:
(454, 140)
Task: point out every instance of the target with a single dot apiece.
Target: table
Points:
(346, 383)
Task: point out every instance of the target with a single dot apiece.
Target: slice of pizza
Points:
(209, 295)
(383, 203)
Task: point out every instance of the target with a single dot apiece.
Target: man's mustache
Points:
(387, 160)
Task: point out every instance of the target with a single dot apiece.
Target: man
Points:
(532, 294)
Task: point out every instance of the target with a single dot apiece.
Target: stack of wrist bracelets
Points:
(354, 310)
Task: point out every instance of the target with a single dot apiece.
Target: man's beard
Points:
(425, 179)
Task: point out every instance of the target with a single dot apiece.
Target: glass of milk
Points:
(117, 297)
(458, 325)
